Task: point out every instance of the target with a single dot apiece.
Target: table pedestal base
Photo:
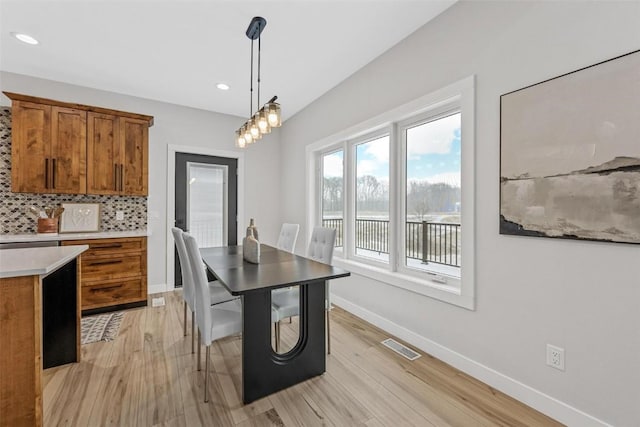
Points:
(263, 370)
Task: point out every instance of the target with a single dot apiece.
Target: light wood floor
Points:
(148, 377)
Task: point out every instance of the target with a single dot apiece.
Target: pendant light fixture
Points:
(269, 115)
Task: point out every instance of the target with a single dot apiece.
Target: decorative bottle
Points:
(252, 228)
(251, 248)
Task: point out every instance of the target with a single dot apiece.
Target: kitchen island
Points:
(39, 325)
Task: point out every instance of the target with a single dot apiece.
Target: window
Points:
(332, 193)
(432, 204)
(400, 193)
(372, 199)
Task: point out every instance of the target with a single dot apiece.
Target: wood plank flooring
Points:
(148, 377)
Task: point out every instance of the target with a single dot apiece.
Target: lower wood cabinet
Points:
(113, 272)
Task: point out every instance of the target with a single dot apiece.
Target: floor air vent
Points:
(157, 302)
(401, 349)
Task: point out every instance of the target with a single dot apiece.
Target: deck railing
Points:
(441, 240)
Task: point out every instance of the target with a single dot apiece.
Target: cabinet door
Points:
(134, 135)
(103, 154)
(68, 150)
(31, 148)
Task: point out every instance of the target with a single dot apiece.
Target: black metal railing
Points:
(372, 235)
(442, 243)
(441, 240)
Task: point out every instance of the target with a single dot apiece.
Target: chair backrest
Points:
(321, 244)
(185, 268)
(201, 288)
(288, 237)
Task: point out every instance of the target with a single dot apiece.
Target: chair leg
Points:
(199, 351)
(206, 374)
(328, 333)
(193, 335)
(185, 318)
(277, 328)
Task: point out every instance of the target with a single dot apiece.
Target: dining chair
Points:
(286, 242)
(218, 294)
(288, 236)
(214, 321)
(287, 303)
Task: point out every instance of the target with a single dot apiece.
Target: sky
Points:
(433, 152)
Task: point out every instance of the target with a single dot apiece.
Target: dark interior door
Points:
(181, 197)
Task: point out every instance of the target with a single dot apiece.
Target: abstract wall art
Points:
(570, 155)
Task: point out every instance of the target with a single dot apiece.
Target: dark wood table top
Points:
(277, 269)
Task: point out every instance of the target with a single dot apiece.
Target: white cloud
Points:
(433, 137)
(367, 167)
(379, 149)
(333, 165)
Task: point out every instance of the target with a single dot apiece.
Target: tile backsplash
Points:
(14, 217)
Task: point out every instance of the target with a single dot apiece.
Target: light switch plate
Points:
(119, 215)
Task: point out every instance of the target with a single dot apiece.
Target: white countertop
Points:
(36, 261)
(47, 237)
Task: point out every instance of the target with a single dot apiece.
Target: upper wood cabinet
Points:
(59, 147)
(48, 149)
(117, 155)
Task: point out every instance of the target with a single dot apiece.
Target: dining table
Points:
(265, 371)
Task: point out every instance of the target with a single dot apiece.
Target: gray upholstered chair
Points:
(288, 237)
(287, 303)
(218, 294)
(214, 321)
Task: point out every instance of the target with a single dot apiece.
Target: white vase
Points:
(251, 248)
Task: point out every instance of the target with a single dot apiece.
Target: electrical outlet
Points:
(119, 215)
(555, 357)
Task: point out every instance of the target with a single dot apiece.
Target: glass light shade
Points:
(247, 134)
(273, 114)
(253, 128)
(263, 122)
(240, 141)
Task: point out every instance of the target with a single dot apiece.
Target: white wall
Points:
(177, 125)
(583, 296)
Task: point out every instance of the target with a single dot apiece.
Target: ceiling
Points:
(177, 51)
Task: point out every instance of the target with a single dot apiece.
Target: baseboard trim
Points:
(536, 399)
(156, 289)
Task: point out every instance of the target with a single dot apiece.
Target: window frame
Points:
(460, 94)
(430, 116)
(352, 186)
(338, 251)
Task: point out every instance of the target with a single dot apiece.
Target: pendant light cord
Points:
(258, 103)
(251, 83)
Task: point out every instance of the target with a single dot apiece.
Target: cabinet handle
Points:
(53, 173)
(121, 177)
(115, 177)
(108, 246)
(106, 288)
(115, 261)
(46, 173)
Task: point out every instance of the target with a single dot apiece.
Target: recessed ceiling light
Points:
(222, 86)
(25, 38)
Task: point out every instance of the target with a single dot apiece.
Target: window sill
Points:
(449, 294)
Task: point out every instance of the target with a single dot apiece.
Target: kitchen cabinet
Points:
(60, 147)
(48, 149)
(117, 155)
(114, 273)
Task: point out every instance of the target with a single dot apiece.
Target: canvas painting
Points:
(570, 155)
